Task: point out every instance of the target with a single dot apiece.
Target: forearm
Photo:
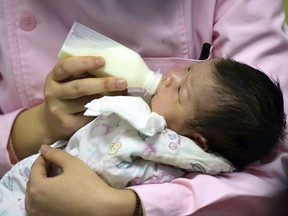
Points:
(29, 133)
(6, 122)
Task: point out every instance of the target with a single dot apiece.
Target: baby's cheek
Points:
(157, 104)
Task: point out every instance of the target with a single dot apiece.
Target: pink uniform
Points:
(167, 33)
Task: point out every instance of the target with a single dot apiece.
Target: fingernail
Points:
(120, 84)
(45, 148)
(100, 61)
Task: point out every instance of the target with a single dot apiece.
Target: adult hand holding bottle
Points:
(67, 89)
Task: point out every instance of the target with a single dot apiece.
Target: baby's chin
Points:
(156, 106)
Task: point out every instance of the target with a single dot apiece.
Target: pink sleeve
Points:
(256, 188)
(5, 128)
(253, 32)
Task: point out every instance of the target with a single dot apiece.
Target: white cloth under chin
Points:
(142, 142)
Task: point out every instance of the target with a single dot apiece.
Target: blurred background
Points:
(285, 2)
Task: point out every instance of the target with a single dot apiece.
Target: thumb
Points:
(56, 157)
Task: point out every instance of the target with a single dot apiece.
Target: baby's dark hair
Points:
(248, 118)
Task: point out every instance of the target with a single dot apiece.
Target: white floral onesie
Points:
(126, 144)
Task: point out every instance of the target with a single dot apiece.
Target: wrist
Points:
(28, 132)
(133, 203)
(12, 155)
(138, 206)
(127, 203)
(120, 203)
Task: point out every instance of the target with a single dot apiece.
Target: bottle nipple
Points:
(153, 83)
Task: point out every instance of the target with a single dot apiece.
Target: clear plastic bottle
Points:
(120, 60)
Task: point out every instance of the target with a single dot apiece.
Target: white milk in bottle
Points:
(120, 61)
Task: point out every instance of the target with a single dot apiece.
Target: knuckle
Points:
(62, 67)
(34, 192)
(55, 111)
(58, 68)
(89, 63)
(48, 95)
(56, 114)
(79, 88)
(107, 85)
(59, 117)
(67, 127)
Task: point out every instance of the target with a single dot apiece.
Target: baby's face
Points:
(183, 92)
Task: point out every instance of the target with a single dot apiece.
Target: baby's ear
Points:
(201, 141)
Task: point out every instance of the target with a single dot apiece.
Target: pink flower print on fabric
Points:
(101, 129)
(155, 179)
(161, 178)
(135, 181)
(149, 149)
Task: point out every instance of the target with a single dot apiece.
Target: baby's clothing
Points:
(126, 144)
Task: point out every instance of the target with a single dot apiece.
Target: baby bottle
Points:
(120, 60)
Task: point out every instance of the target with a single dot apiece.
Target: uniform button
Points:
(27, 22)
